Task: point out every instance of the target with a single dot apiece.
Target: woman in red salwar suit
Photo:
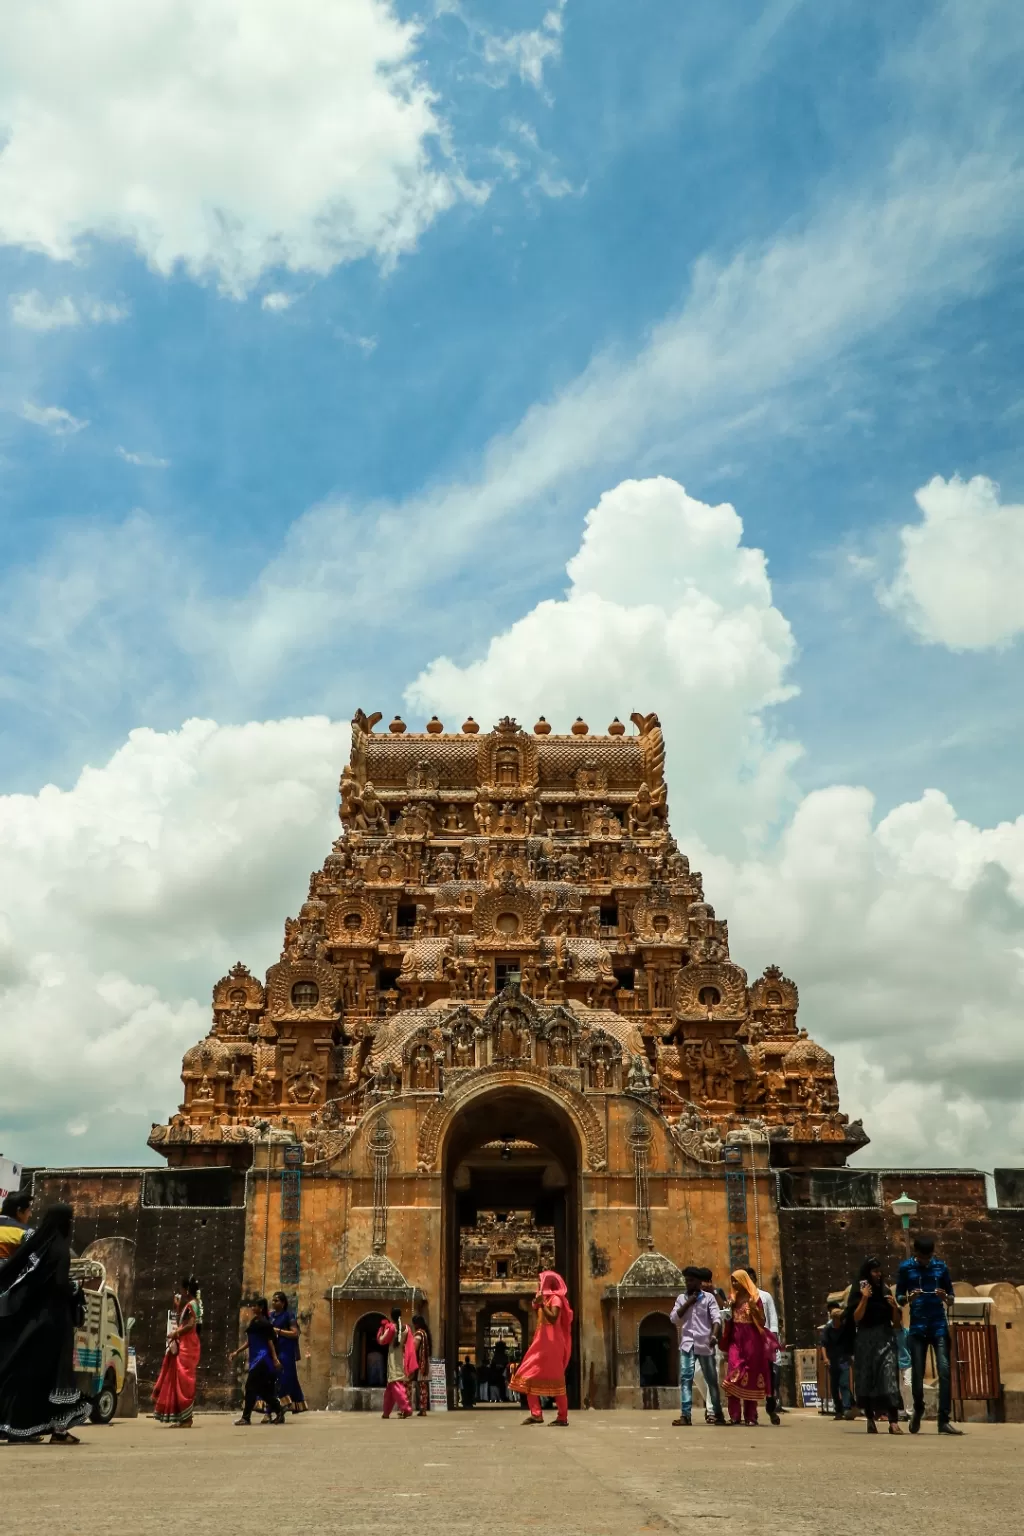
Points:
(541, 1372)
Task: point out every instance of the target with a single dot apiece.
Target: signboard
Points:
(10, 1177)
(438, 1386)
(809, 1394)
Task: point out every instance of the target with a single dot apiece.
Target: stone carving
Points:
(647, 813)
(504, 905)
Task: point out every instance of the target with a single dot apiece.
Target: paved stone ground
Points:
(481, 1474)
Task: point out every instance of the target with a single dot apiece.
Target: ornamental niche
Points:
(511, 905)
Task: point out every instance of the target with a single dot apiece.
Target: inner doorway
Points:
(510, 1209)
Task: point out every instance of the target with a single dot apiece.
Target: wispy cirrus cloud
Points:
(143, 460)
(34, 312)
(526, 53)
(52, 418)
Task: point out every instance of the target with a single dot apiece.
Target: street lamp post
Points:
(905, 1208)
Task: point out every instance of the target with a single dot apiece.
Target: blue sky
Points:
(768, 250)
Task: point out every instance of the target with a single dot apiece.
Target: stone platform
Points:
(461, 1474)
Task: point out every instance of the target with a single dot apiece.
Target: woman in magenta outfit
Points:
(751, 1349)
(541, 1372)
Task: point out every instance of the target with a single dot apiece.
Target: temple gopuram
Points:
(505, 997)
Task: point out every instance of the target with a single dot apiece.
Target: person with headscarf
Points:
(750, 1350)
(174, 1393)
(875, 1314)
(421, 1339)
(286, 1330)
(541, 1372)
(39, 1309)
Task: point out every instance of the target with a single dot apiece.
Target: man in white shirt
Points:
(771, 1318)
(698, 1320)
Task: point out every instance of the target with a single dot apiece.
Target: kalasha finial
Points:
(616, 728)
(397, 726)
(580, 727)
(434, 726)
(542, 728)
(470, 727)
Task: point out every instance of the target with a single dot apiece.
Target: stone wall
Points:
(830, 1220)
(166, 1229)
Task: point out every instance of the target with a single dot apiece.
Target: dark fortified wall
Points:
(151, 1226)
(831, 1219)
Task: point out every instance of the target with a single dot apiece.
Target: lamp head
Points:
(904, 1208)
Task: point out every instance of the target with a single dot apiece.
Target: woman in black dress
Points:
(39, 1307)
(875, 1315)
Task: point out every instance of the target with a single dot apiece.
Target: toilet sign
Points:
(10, 1177)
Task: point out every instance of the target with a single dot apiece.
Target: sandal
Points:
(65, 1439)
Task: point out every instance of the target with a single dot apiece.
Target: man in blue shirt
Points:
(925, 1282)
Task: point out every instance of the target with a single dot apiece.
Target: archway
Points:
(511, 1207)
(369, 1360)
(658, 1351)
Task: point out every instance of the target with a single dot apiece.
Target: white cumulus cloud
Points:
(227, 136)
(905, 933)
(906, 937)
(667, 610)
(123, 898)
(960, 581)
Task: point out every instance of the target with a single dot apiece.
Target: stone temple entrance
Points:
(511, 1208)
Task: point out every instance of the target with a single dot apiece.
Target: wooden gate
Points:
(974, 1364)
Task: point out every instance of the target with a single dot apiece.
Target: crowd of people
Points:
(732, 1337)
(865, 1339)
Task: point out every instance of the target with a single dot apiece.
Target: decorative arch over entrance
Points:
(511, 1159)
(487, 1081)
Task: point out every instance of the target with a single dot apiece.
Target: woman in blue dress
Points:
(286, 1327)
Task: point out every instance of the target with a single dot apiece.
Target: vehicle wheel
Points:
(104, 1407)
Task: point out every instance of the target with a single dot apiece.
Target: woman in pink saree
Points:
(174, 1394)
(541, 1372)
(751, 1350)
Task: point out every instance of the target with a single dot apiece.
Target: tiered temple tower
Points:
(504, 929)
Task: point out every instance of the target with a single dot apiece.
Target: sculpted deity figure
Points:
(464, 1051)
(423, 1068)
(559, 1052)
(348, 789)
(560, 822)
(204, 1092)
(370, 815)
(237, 1021)
(481, 818)
(304, 1088)
(450, 822)
(646, 814)
(600, 1068)
(510, 1038)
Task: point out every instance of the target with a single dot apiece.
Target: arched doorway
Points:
(369, 1360)
(658, 1351)
(511, 1207)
